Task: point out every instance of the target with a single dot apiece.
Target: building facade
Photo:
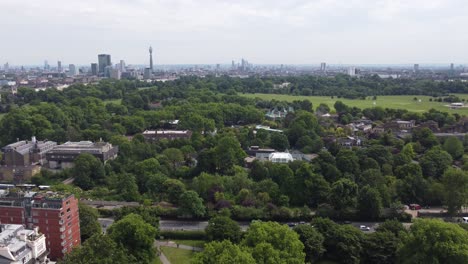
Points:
(23, 159)
(63, 156)
(56, 215)
(152, 135)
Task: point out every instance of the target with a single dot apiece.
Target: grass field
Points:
(177, 255)
(396, 102)
(193, 243)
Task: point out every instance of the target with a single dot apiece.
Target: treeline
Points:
(427, 241)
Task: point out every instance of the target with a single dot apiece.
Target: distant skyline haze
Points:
(210, 32)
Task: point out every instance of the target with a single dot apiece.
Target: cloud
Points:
(209, 31)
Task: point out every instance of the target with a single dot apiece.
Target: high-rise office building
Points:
(122, 66)
(151, 58)
(59, 66)
(108, 71)
(6, 67)
(46, 65)
(72, 70)
(147, 74)
(416, 68)
(94, 69)
(55, 214)
(352, 71)
(104, 60)
(115, 74)
(323, 66)
(452, 67)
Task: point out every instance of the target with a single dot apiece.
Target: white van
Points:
(464, 220)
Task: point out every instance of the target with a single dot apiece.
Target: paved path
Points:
(162, 257)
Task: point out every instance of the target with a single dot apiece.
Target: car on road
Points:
(364, 228)
(415, 207)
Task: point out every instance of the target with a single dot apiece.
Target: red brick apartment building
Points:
(55, 214)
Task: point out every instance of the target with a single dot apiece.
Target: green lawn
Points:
(193, 243)
(115, 101)
(156, 260)
(177, 255)
(388, 101)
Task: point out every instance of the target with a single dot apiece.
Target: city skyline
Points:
(210, 32)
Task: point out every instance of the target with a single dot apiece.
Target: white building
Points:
(22, 246)
(280, 157)
(352, 71)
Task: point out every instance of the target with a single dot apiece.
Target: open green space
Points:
(177, 255)
(193, 243)
(388, 101)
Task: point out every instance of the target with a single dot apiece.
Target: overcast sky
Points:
(218, 31)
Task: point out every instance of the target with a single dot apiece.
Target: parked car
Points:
(415, 207)
(364, 228)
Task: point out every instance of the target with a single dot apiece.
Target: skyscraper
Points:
(151, 58)
(104, 60)
(122, 66)
(72, 70)
(323, 66)
(46, 65)
(59, 66)
(94, 69)
(416, 68)
(6, 67)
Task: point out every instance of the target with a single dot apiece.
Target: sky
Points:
(219, 31)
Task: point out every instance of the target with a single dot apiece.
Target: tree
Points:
(228, 153)
(173, 189)
(393, 226)
(89, 224)
(88, 171)
(344, 194)
(125, 187)
(369, 203)
(347, 161)
(99, 249)
(191, 204)
(455, 184)
(284, 242)
(223, 228)
(425, 137)
(454, 147)
(380, 247)
(435, 161)
(174, 155)
(312, 240)
(223, 252)
(279, 141)
(434, 241)
(136, 236)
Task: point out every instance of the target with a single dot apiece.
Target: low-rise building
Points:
(21, 245)
(63, 156)
(155, 135)
(23, 159)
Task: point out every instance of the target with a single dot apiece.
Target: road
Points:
(182, 225)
